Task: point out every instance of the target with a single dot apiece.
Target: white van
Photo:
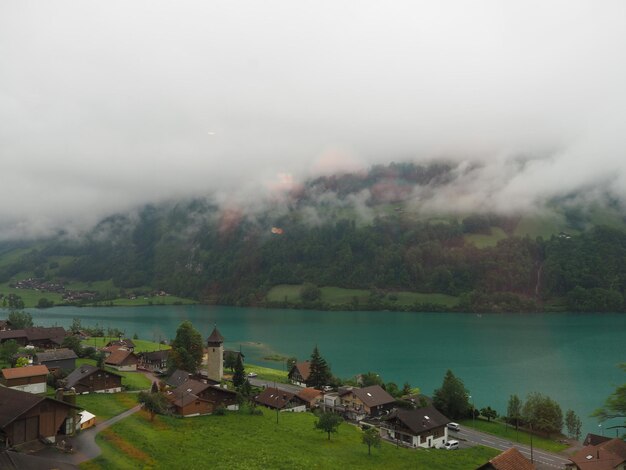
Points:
(454, 426)
(451, 445)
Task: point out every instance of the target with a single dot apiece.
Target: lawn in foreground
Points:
(243, 441)
(106, 405)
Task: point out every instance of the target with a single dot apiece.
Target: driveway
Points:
(280, 386)
(84, 444)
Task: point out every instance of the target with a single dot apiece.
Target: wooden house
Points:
(421, 427)
(280, 400)
(510, 459)
(124, 343)
(123, 360)
(154, 360)
(31, 379)
(299, 373)
(91, 379)
(57, 359)
(195, 398)
(607, 455)
(311, 396)
(366, 401)
(40, 337)
(25, 417)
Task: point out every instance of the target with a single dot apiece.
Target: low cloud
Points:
(105, 106)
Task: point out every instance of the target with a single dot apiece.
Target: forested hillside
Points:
(321, 238)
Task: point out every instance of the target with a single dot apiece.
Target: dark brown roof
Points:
(604, 456)
(510, 459)
(118, 357)
(124, 342)
(309, 394)
(420, 419)
(215, 337)
(156, 355)
(40, 332)
(20, 372)
(304, 368)
(55, 355)
(190, 390)
(373, 395)
(275, 398)
(12, 334)
(177, 378)
(595, 439)
(81, 372)
(14, 403)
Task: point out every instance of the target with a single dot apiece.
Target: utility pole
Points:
(532, 460)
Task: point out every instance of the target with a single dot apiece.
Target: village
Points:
(43, 417)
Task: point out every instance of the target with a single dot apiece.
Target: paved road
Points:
(84, 445)
(543, 459)
(280, 386)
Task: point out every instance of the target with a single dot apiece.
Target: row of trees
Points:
(539, 411)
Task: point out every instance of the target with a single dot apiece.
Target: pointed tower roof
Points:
(215, 337)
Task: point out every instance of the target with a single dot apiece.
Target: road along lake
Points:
(570, 357)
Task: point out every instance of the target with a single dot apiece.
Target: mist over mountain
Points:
(375, 237)
(108, 106)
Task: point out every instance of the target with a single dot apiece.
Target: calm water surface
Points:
(570, 357)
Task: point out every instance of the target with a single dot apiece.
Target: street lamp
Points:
(473, 410)
(601, 429)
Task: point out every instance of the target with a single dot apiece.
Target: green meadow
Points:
(239, 440)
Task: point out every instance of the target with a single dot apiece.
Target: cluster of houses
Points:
(421, 426)
(26, 414)
(41, 285)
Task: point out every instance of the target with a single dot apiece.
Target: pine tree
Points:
(319, 370)
(239, 377)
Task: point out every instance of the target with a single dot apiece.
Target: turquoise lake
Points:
(571, 357)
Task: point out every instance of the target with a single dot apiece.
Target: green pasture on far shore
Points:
(341, 296)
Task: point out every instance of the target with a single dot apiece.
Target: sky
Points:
(105, 106)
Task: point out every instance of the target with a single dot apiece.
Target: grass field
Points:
(500, 429)
(338, 296)
(141, 345)
(243, 441)
(484, 241)
(265, 373)
(106, 405)
(132, 380)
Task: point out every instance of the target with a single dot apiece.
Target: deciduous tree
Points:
(615, 404)
(371, 438)
(20, 320)
(543, 413)
(328, 423)
(187, 348)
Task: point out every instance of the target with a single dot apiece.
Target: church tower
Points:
(215, 356)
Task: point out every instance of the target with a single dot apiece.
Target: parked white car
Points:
(451, 445)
